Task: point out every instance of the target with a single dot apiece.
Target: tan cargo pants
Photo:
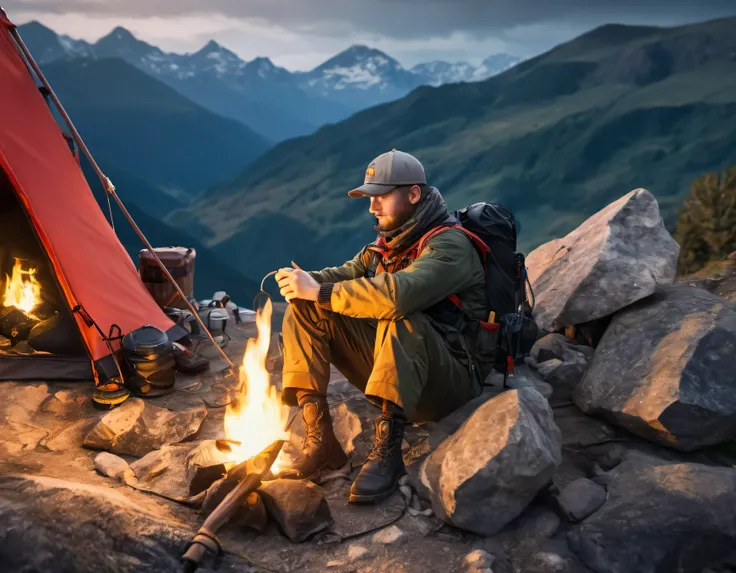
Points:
(405, 361)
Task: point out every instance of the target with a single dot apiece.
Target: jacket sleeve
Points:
(447, 265)
(352, 269)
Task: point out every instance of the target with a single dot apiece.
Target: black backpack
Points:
(506, 281)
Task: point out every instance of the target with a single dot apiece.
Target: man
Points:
(385, 321)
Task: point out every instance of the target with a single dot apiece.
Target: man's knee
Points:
(299, 310)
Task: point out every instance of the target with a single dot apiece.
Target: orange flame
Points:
(20, 292)
(257, 418)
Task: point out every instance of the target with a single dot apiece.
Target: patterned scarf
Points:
(430, 212)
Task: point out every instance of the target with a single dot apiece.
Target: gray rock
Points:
(298, 506)
(152, 464)
(486, 473)
(56, 526)
(664, 370)
(111, 465)
(561, 362)
(614, 258)
(478, 559)
(581, 498)
(205, 464)
(347, 426)
(538, 522)
(671, 517)
(137, 427)
(356, 553)
(392, 535)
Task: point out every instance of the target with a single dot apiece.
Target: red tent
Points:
(95, 277)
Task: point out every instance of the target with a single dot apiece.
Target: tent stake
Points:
(110, 190)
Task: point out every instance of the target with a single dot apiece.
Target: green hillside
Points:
(211, 273)
(555, 138)
(131, 120)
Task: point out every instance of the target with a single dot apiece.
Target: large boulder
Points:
(54, 525)
(488, 471)
(137, 427)
(664, 369)
(616, 257)
(677, 517)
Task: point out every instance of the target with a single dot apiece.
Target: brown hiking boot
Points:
(320, 449)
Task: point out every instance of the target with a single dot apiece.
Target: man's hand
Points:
(296, 283)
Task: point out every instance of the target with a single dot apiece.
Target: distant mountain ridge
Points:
(554, 138)
(273, 101)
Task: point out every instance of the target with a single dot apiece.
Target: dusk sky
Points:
(300, 34)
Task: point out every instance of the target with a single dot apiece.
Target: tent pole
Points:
(110, 191)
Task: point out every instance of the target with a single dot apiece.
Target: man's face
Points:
(396, 207)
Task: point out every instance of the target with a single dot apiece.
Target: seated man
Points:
(386, 320)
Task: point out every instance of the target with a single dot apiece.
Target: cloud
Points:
(302, 33)
(394, 18)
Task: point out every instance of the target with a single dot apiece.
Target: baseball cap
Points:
(390, 170)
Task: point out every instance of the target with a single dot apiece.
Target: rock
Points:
(581, 498)
(614, 258)
(524, 377)
(538, 522)
(253, 514)
(347, 426)
(205, 464)
(151, 465)
(137, 427)
(664, 370)
(560, 362)
(406, 492)
(545, 556)
(55, 526)
(486, 473)
(67, 404)
(391, 535)
(667, 517)
(71, 436)
(478, 559)
(298, 506)
(356, 553)
(111, 465)
(335, 563)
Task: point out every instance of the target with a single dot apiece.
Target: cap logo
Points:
(370, 172)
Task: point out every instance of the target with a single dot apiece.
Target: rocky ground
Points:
(613, 455)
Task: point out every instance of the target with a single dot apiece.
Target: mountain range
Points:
(274, 102)
(554, 138)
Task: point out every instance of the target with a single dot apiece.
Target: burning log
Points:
(206, 538)
(15, 324)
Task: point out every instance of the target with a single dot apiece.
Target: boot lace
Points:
(381, 449)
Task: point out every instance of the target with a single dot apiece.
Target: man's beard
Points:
(396, 222)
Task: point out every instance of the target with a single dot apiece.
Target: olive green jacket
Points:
(448, 265)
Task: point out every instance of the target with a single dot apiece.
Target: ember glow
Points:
(22, 290)
(257, 418)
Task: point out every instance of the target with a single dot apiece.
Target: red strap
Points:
(510, 364)
(455, 300)
(489, 326)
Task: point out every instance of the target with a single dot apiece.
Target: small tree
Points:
(706, 225)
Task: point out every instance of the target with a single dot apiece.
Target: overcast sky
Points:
(300, 34)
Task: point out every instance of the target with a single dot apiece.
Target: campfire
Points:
(21, 302)
(257, 418)
(22, 290)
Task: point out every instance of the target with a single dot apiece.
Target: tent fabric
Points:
(93, 269)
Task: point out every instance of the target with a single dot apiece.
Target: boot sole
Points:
(331, 466)
(373, 498)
